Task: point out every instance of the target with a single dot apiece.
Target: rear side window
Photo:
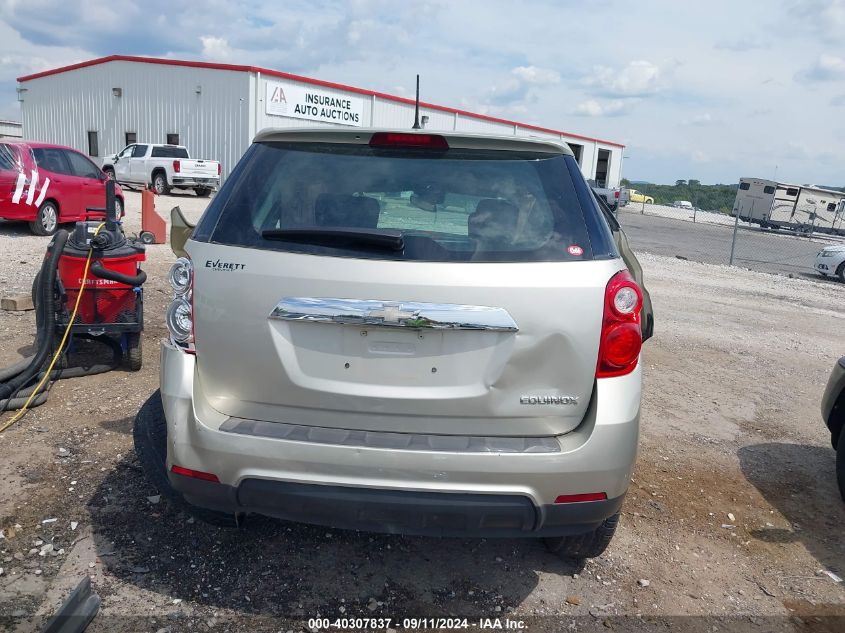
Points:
(768, 189)
(81, 166)
(169, 152)
(457, 205)
(9, 158)
(51, 159)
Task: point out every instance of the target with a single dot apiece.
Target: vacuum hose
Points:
(104, 273)
(44, 340)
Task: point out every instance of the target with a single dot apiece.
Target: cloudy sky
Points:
(712, 91)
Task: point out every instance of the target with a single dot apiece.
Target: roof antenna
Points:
(417, 107)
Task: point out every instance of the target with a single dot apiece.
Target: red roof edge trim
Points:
(308, 80)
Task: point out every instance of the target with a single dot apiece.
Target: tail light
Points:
(177, 166)
(616, 194)
(219, 169)
(621, 333)
(180, 314)
(403, 139)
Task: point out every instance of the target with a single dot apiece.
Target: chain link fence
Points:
(723, 238)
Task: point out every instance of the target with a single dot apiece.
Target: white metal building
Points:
(10, 128)
(101, 105)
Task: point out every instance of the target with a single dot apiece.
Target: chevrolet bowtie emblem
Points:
(391, 313)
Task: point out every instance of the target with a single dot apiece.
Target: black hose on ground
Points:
(45, 335)
(18, 403)
(20, 397)
(13, 370)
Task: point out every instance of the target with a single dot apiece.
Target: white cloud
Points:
(825, 68)
(639, 78)
(215, 48)
(594, 108)
(517, 87)
(535, 75)
(822, 18)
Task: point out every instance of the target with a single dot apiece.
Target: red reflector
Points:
(177, 166)
(616, 194)
(219, 169)
(587, 496)
(401, 139)
(195, 474)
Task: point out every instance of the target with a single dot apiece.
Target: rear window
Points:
(744, 186)
(169, 152)
(457, 205)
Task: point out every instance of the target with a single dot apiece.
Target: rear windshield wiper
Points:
(387, 239)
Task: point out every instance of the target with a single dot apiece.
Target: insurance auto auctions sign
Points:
(300, 102)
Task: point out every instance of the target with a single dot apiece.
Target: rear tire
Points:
(840, 465)
(46, 220)
(149, 434)
(581, 546)
(202, 192)
(160, 183)
(840, 272)
(147, 238)
(134, 357)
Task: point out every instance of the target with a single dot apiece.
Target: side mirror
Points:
(180, 232)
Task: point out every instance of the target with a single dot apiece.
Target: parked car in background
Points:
(636, 196)
(683, 204)
(615, 198)
(48, 185)
(830, 261)
(833, 414)
(451, 345)
(164, 167)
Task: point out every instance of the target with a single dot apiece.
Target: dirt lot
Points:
(730, 522)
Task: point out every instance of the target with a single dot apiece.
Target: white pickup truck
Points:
(165, 167)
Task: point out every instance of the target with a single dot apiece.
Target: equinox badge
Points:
(548, 400)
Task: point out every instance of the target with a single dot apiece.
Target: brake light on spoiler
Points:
(404, 139)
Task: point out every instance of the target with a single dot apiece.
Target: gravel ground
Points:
(731, 520)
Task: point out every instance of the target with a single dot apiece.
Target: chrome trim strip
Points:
(388, 440)
(410, 314)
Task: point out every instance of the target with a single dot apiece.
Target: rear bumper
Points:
(211, 183)
(398, 511)
(433, 492)
(17, 212)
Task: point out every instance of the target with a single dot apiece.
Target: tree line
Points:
(708, 197)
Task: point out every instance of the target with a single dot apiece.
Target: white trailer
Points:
(804, 208)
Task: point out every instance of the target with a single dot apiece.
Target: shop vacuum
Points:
(89, 287)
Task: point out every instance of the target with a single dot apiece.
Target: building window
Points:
(131, 138)
(745, 186)
(173, 139)
(93, 145)
(768, 189)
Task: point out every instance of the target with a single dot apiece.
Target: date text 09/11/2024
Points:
(387, 624)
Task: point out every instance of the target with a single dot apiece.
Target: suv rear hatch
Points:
(452, 288)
